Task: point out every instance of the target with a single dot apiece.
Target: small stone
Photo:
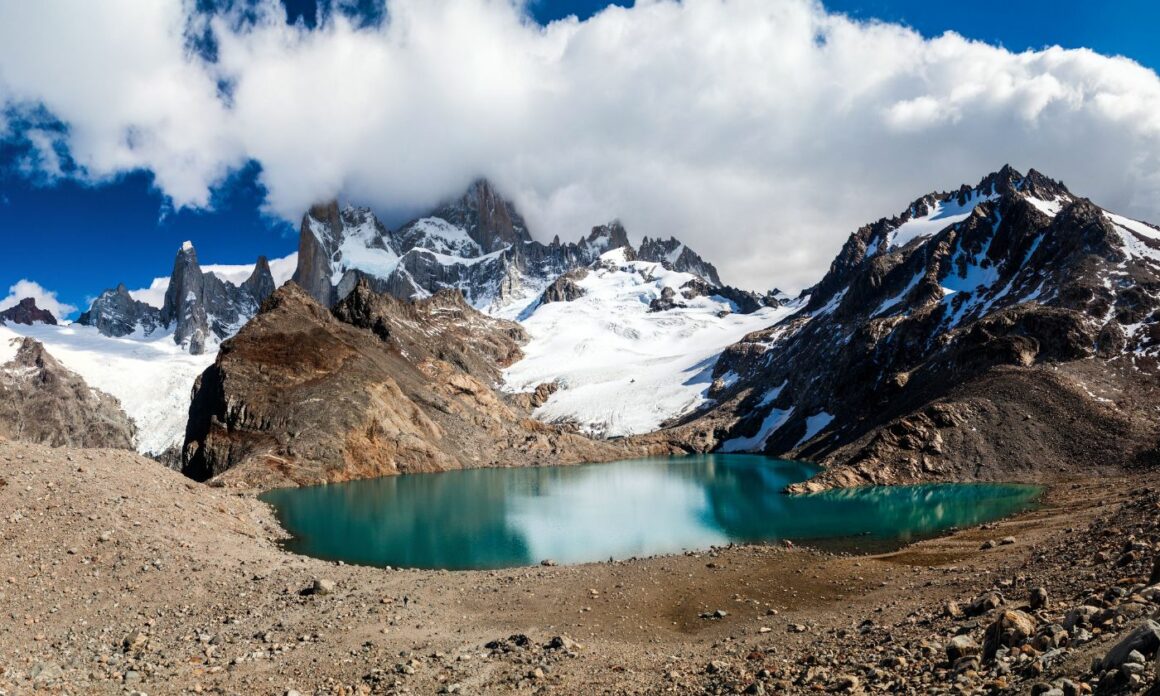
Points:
(961, 646)
(548, 563)
(562, 643)
(1037, 598)
(1007, 541)
(323, 587)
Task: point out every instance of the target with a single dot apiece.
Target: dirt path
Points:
(117, 575)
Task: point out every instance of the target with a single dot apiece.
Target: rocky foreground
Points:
(118, 576)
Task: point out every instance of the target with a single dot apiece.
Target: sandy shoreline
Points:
(118, 575)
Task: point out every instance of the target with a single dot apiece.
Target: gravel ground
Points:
(120, 576)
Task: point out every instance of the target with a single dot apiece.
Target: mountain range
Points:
(1005, 328)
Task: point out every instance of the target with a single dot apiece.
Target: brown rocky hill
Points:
(380, 386)
(43, 402)
(1007, 330)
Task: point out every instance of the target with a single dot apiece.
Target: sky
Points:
(760, 132)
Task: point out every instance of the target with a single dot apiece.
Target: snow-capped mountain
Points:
(935, 330)
(478, 244)
(199, 307)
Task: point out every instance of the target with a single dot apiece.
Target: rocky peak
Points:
(116, 313)
(679, 257)
(605, 238)
(199, 306)
(488, 218)
(26, 312)
(260, 284)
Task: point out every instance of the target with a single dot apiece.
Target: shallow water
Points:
(496, 518)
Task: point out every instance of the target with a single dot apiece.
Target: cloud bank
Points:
(45, 299)
(761, 132)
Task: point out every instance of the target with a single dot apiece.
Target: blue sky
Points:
(78, 239)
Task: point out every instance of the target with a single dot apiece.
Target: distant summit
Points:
(26, 312)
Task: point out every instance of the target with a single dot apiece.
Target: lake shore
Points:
(119, 575)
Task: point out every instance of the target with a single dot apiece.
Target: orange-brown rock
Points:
(379, 386)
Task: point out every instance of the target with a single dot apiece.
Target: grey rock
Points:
(1143, 640)
(44, 402)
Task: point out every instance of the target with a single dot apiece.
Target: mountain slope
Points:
(43, 402)
(975, 335)
(628, 345)
(380, 386)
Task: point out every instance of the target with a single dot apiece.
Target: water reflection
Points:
(492, 518)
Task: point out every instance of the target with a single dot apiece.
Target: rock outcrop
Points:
(565, 288)
(380, 386)
(43, 402)
(999, 331)
(200, 308)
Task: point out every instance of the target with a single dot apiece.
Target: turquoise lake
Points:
(498, 518)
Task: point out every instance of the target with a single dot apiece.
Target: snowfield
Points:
(151, 377)
(623, 370)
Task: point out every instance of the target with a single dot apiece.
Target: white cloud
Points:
(761, 132)
(45, 299)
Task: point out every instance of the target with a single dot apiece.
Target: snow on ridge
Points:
(943, 214)
(442, 237)
(357, 251)
(1133, 235)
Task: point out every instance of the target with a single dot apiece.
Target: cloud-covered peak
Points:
(759, 131)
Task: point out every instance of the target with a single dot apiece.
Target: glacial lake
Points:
(498, 518)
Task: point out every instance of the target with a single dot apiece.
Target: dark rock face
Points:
(678, 257)
(477, 244)
(564, 288)
(199, 306)
(41, 401)
(116, 313)
(666, 301)
(380, 386)
(26, 312)
(967, 352)
(487, 217)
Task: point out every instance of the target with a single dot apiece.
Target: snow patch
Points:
(814, 425)
(624, 370)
